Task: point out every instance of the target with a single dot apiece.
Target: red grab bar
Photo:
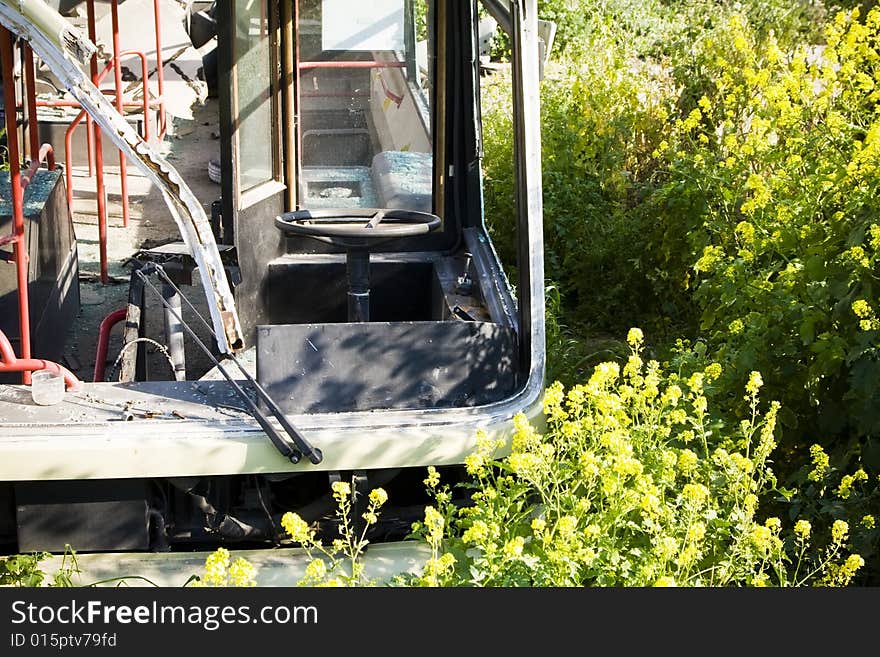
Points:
(10, 363)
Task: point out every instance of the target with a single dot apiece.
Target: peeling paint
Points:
(67, 52)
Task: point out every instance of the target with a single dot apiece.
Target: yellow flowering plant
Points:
(632, 484)
(339, 563)
(763, 208)
(222, 570)
(838, 507)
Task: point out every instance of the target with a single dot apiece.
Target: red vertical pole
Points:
(99, 156)
(90, 144)
(20, 253)
(33, 127)
(117, 73)
(297, 112)
(160, 65)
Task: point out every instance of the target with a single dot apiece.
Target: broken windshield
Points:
(366, 77)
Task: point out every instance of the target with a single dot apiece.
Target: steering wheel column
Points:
(357, 230)
(357, 265)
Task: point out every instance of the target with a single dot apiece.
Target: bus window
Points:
(365, 80)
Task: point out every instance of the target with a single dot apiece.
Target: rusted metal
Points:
(68, 136)
(66, 51)
(68, 157)
(20, 252)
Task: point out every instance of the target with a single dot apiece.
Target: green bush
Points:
(722, 189)
(767, 217)
(600, 122)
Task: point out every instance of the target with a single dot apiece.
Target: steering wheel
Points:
(356, 227)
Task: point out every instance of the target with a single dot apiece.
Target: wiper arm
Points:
(293, 449)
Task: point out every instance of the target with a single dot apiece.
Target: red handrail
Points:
(47, 155)
(350, 64)
(10, 363)
(18, 235)
(107, 324)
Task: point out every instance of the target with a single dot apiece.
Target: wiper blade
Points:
(292, 449)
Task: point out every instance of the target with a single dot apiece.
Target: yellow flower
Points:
(773, 524)
(712, 371)
(553, 398)
(433, 478)
(316, 570)
(567, 525)
(868, 522)
(874, 240)
(760, 580)
(695, 494)
(665, 581)
(434, 522)
(341, 490)
(695, 382)
(474, 464)
(650, 503)
(216, 567)
(692, 121)
(242, 573)
(477, 533)
(635, 337)
(746, 232)
(861, 308)
(820, 463)
(687, 461)
(667, 547)
(839, 531)
(514, 547)
(845, 487)
(711, 256)
(696, 532)
(296, 527)
(761, 537)
(378, 496)
(754, 384)
(802, 529)
(851, 565)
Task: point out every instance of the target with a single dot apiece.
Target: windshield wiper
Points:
(292, 449)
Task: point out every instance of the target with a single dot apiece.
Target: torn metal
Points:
(67, 51)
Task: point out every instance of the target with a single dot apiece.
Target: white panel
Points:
(362, 25)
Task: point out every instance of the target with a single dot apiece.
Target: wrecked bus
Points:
(362, 326)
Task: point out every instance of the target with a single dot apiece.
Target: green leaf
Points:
(808, 330)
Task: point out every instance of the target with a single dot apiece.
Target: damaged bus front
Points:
(370, 330)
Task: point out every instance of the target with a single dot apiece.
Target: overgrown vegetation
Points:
(635, 482)
(710, 170)
(710, 174)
